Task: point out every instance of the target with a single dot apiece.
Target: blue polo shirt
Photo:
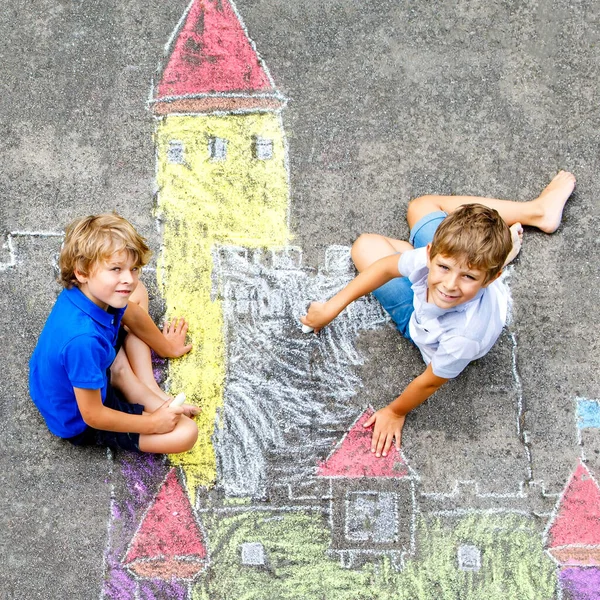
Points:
(75, 349)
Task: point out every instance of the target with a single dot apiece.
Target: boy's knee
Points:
(119, 369)
(418, 207)
(188, 434)
(362, 242)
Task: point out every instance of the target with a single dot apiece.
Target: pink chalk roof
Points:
(353, 457)
(212, 65)
(574, 532)
(169, 543)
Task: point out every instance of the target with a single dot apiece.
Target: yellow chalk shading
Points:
(241, 200)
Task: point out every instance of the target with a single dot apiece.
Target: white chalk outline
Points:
(12, 252)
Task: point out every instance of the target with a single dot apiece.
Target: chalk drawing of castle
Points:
(284, 431)
(287, 399)
(281, 427)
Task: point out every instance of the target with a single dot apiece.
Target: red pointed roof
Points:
(169, 542)
(353, 457)
(213, 65)
(574, 532)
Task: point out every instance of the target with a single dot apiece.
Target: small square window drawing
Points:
(469, 558)
(371, 516)
(176, 152)
(217, 148)
(263, 148)
(253, 554)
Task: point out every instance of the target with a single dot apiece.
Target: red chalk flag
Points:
(169, 542)
(574, 532)
(353, 456)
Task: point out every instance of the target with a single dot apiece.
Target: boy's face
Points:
(450, 282)
(111, 282)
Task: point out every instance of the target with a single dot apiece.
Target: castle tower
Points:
(222, 179)
(372, 500)
(573, 535)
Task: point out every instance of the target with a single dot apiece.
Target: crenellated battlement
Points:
(467, 497)
(230, 259)
(20, 246)
(275, 284)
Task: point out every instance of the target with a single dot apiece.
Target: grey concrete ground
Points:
(388, 100)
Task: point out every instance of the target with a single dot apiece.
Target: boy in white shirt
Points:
(441, 287)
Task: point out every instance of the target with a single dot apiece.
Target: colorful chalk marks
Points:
(588, 414)
(353, 457)
(573, 536)
(213, 65)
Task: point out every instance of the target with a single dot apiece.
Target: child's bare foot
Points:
(552, 201)
(516, 233)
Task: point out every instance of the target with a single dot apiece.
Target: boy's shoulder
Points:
(74, 315)
(412, 262)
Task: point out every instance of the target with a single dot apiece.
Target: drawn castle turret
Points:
(222, 179)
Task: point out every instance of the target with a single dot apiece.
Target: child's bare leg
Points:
(138, 352)
(124, 379)
(370, 247)
(181, 439)
(545, 212)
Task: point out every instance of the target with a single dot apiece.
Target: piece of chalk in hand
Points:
(306, 329)
(178, 400)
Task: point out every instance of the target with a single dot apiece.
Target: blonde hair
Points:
(94, 239)
(476, 235)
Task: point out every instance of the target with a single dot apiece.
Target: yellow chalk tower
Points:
(222, 179)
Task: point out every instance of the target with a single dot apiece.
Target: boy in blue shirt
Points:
(441, 287)
(91, 371)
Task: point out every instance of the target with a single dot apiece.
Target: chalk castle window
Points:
(371, 516)
(263, 148)
(217, 148)
(253, 554)
(469, 558)
(176, 152)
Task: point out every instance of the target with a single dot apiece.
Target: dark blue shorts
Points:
(111, 439)
(396, 296)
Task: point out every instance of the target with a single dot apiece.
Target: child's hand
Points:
(166, 417)
(189, 410)
(388, 425)
(175, 332)
(317, 316)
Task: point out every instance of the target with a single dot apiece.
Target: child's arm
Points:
(98, 416)
(381, 271)
(389, 421)
(168, 344)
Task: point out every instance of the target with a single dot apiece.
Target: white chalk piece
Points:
(178, 400)
(306, 329)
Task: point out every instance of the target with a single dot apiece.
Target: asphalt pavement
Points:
(386, 101)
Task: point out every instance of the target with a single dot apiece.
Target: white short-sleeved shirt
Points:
(451, 338)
